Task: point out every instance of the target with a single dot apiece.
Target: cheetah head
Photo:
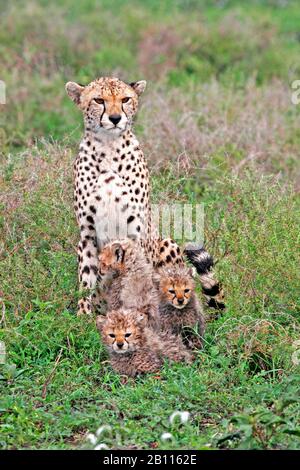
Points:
(122, 331)
(108, 104)
(114, 255)
(176, 286)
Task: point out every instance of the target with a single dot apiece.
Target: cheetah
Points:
(111, 178)
(133, 347)
(127, 277)
(179, 309)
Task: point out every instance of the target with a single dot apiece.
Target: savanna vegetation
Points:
(218, 127)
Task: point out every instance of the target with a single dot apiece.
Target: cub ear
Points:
(156, 278)
(121, 248)
(74, 91)
(119, 252)
(139, 87)
(100, 320)
(142, 315)
(140, 318)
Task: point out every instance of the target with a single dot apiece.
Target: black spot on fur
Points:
(94, 269)
(211, 291)
(130, 219)
(109, 179)
(217, 305)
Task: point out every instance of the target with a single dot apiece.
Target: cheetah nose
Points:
(120, 345)
(180, 301)
(115, 118)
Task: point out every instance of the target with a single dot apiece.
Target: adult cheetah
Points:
(111, 175)
(111, 179)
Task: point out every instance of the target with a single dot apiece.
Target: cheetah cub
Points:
(179, 308)
(127, 279)
(133, 347)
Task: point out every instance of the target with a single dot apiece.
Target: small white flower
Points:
(101, 446)
(167, 436)
(92, 438)
(183, 415)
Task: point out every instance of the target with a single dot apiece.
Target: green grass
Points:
(218, 128)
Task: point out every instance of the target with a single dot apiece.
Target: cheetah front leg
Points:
(87, 265)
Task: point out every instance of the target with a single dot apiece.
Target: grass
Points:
(218, 128)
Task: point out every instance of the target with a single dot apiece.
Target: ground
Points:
(218, 126)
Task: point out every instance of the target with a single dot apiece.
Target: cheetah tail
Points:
(211, 287)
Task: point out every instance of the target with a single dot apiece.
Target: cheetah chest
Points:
(111, 179)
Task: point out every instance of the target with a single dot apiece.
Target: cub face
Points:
(112, 257)
(108, 104)
(121, 331)
(176, 286)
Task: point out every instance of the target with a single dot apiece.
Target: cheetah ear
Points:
(156, 278)
(100, 320)
(141, 318)
(120, 248)
(139, 87)
(119, 252)
(74, 91)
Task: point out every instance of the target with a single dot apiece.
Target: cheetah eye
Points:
(125, 100)
(172, 291)
(112, 335)
(99, 100)
(187, 290)
(127, 335)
